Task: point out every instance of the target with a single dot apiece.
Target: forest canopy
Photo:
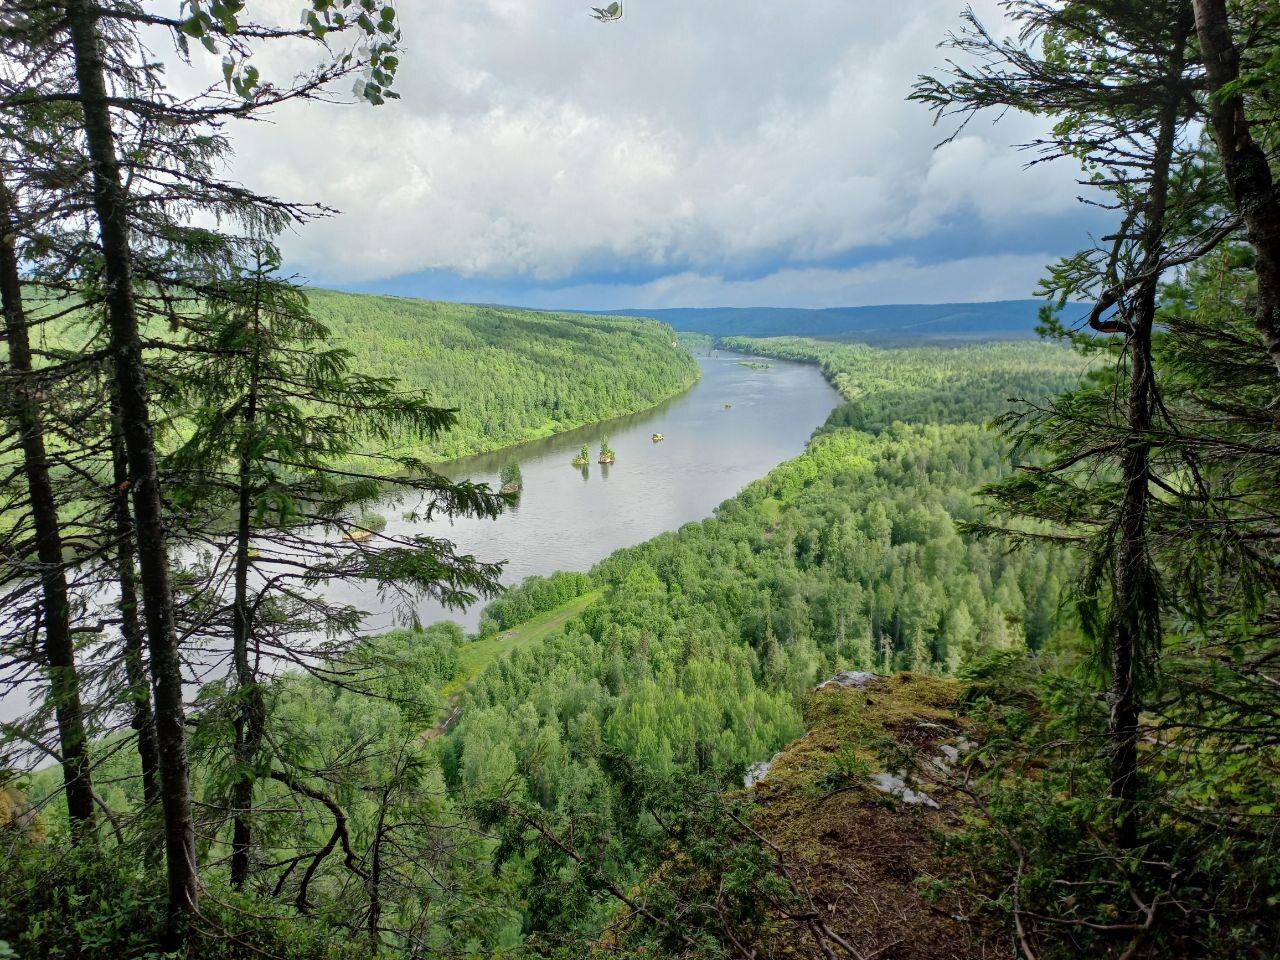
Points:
(1045, 575)
(511, 374)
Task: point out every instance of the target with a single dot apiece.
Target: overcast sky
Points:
(699, 153)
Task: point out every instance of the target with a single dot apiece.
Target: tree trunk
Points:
(59, 646)
(1133, 587)
(1135, 620)
(110, 207)
(135, 667)
(374, 883)
(249, 707)
(1249, 179)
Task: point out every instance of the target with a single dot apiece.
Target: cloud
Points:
(895, 280)
(695, 143)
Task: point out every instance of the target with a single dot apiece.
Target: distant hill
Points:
(513, 374)
(891, 324)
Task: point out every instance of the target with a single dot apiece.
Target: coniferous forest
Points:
(990, 669)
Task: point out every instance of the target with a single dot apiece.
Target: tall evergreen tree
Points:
(54, 620)
(1245, 164)
(110, 108)
(278, 431)
(1118, 78)
(35, 549)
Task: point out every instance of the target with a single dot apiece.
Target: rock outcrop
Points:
(856, 805)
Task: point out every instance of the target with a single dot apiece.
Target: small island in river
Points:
(365, 527)
(658, 438)
(583, 458)
(511, 478)
(755, 365)
(606, 452)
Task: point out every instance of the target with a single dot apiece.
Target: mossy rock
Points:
(830, 802)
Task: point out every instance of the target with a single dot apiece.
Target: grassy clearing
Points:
(478, 654)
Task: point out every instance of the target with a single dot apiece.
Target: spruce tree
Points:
(285, 437)
(1246, 166)
(1117, 76)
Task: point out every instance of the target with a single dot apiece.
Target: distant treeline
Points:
(972, 384)
(901, 324)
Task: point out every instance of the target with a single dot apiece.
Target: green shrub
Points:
(62, 903)
(534, 596)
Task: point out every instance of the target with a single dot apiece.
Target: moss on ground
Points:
(867, 857)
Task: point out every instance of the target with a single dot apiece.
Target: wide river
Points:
(733, 426)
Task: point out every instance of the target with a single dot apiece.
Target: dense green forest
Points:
(696, 658)
(972, 384)
(512, 375)
(989, 669)
(701, 653)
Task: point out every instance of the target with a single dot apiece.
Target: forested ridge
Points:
(966, 384)
(895, 324)
(989, 669)
(511, 374)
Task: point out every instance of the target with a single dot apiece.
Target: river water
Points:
(730, 428)
(733, 426)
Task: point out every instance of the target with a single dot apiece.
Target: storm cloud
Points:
(696, 153)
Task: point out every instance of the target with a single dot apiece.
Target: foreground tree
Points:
(144, 152)
(280, 431)
(1245, 164)
(1118, 77)
(111, 210)
(45, 408)
(1157, 470)
(54, 616)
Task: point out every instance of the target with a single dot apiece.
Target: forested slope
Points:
(968, 384)
(708, 639)
(513, 375)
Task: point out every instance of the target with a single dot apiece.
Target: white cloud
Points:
(697, 138)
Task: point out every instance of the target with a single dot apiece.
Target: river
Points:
(733, 426)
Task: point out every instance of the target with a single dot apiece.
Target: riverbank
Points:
(555, 429)
(484, 459)
(512, 375)
(569, 518)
